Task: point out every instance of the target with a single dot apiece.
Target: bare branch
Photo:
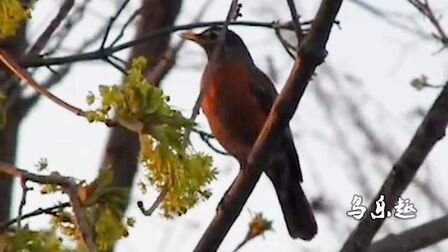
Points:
(54, 79)
(310, 55)
(206, 139)
(39, 211)
(415, 238)
(45, 36)
(115, 65)
(390, 18)
(25, 190)
(167, 61)
(73, 19)
(295, 19)
(155, 204)
(126, 24)
(424, 8)
(112, 21)
(26, 78)
(102, 53)
(430, 131)
(288, 47)
(68, 185)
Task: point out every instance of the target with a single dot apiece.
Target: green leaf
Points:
(170, 163)
(12, 16)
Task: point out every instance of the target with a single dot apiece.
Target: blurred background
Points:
(355, 119)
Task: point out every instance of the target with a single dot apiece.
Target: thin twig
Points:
(10, 63)
(25, 190)
(100, 54)
(285, 43)
(122, 61)
(155, 204)
(424, 8)
(295, 19)
(68, 185)
(112, 21)
(389, 18)
(27, 103)
(131, 18)
(167, 61)
(115, 65)
(39, 211)
(206, 139)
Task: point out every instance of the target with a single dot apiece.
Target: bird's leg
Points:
(222, 203)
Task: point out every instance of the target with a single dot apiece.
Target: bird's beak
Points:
(191, 36)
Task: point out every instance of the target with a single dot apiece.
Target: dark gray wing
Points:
(264, 90)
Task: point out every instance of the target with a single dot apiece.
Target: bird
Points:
(237, 100)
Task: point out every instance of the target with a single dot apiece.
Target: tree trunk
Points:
(8, 135)
(121, 153)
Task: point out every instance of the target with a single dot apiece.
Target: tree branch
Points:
(295, 19)
(310, 55)
(415, 238)
(10, 63)
(39, 211)
(167, 61)
(431, 130)
(45, 36)
(54, 79)
(68, 185)
(112, 21)
(424, 8)
(102, 53)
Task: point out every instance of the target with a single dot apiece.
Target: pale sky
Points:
(383, 58)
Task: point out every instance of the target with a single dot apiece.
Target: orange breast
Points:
(232, 110)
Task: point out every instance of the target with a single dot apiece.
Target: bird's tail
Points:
(296, 209)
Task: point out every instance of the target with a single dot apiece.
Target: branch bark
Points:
(430, 131)
(415, 238)
(45, 36)
(311, 54)
(69, 187)
(152, 35)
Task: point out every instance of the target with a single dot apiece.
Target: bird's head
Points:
(233, 45)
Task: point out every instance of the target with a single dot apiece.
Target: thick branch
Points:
(310, 55)
(415, 238)
(431, 130)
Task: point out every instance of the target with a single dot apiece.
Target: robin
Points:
(237, 102)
